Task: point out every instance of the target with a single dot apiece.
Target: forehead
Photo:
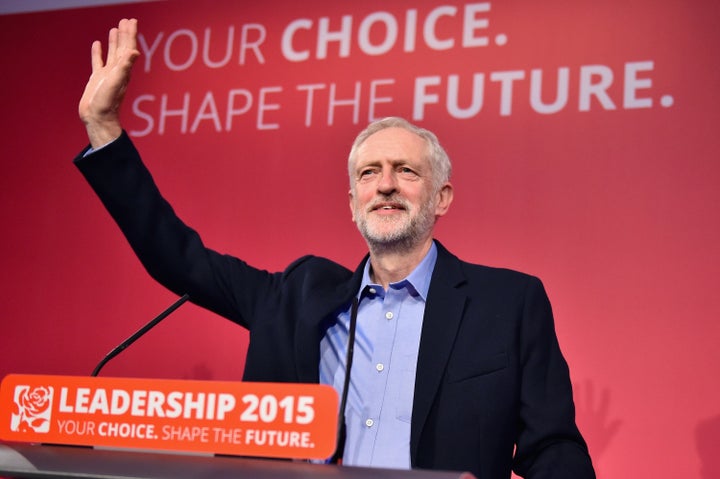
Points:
(392, 144)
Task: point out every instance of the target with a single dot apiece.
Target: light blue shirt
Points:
(382, 380)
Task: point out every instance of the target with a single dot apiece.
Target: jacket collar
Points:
(443, 313)
(321, 307)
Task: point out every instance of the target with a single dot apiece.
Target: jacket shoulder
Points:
(317, 269)
(461, 271)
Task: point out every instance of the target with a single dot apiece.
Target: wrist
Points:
(101, 133)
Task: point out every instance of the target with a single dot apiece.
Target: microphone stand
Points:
(139, 333)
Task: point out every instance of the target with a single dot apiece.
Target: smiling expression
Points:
(392, 197)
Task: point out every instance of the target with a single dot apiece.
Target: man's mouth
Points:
(387, 207)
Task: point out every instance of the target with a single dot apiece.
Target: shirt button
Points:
(372, 291)
(379, 367)
(369, 422)
(389, 315)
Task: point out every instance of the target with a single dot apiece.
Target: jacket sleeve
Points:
(170, 251)
(549, 445)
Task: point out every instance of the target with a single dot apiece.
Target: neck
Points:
(392, 263)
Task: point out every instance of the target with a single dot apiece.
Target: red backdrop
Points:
(584, 140)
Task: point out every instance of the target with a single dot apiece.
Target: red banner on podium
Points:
(285, 420)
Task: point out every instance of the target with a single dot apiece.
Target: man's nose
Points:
(388, 182)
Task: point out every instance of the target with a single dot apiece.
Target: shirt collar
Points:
(418, 280)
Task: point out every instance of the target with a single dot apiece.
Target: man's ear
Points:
(350, 200)
(444, 199)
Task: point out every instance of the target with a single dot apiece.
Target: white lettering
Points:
(260, 437)
(148, 51)
(430, 26)
(354, 102)
(633, 84)
(374, 99)
(119, 402)
(181, 112)
(443, 28)
(138, 403)
(79, 428)
(226, 404)
(476, 102)
(155, 402)
(175, 405)
(228, 49)
(342, 36)
(310, 89)
(595, 83)
(184, 115)
(598, 89)
(99, 403)
(82, 399)
(263, 107)
(186, 433)
(207, 111)
(506, 80)
(391, 33)
(471, 23)
(410, 30)
(64, 406)
(232, 111)
(193, 403)
(181, 47)
(150, 122)
(127, 430)
(191, 56)
(286, 45)
(422, 97)
(143, 403)
(246, 44)
(561, 95)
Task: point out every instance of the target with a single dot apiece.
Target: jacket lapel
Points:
(443, 314)
(319, 306)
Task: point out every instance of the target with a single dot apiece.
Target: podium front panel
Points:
(44, 461)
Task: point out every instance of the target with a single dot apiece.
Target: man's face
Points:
(392, 198)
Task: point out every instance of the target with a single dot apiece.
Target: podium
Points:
(20, 460)
(139, 428)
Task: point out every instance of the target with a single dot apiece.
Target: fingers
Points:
(100, 103)
(127, 34)
(125, 38)
(112, 44)
(96, 56)
(122, 43)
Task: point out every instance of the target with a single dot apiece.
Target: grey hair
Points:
(439, 160)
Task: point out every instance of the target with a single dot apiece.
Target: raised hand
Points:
(99, 107)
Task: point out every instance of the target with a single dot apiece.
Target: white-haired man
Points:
(456, 366)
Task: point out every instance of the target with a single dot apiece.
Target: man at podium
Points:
(455, 367)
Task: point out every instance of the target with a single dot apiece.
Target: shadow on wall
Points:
(707, 440)
(593, 417)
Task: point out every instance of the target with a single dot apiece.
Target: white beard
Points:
(398, 232)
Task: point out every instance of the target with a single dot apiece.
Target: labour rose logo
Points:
(32, 409)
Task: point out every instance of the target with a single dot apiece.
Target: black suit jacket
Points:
(490, 380)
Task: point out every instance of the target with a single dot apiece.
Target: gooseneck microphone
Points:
(139, 333)
(342, 430)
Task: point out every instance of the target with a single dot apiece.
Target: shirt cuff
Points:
(92, 150)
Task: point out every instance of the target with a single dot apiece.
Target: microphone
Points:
(342, 429)
(139, 333)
